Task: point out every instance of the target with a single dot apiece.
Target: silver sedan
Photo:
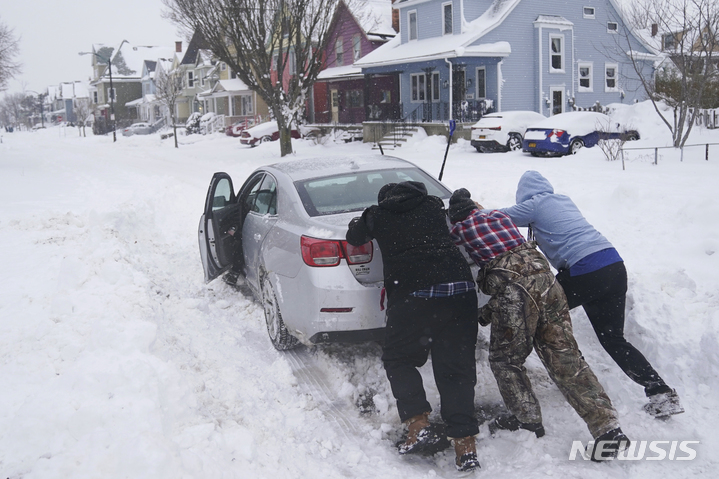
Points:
(284, 229)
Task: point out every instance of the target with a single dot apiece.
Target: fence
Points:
(657, 148)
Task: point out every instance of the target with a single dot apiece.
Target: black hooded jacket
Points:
(411, 229)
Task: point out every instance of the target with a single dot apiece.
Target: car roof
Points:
(321, 167)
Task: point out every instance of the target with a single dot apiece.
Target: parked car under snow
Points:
(503, 131)
(567, 133)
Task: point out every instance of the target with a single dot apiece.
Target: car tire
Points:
(575, 146)
(479, 149)
(515, 142)
(632, 136)
(281, 338)
(265, 139)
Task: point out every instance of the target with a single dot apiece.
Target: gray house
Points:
(461, 58)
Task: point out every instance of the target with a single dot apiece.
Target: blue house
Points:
(498, 55)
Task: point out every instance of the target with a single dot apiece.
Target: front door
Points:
(557, 100)
(459, 94)
(335, 102)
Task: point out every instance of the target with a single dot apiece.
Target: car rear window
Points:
(356, 191)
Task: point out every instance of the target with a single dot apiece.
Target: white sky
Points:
(54, 31)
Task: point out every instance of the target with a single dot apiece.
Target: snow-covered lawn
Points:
(118, 361)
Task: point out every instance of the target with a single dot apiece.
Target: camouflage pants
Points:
(528, 310)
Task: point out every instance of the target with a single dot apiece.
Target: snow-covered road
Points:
(119, 361)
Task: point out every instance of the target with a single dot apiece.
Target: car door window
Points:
(222, 195)
(266, 197)
(250, 192)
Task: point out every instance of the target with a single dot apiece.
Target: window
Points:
(481, 83)
(247, 105)
(447, 15)
(434, 86)
(585, 76)
(356, 48)
(669, 41)
(112, 94)
(556, 53)
(588, 12)
(412, 20)
(94, 97)
(293, 63)
(612, 27)
(354, 99)
(203, 77)
(610, 77)
(223, 66)
(417, 81)
(266, 197)
(190, 79)
(339, 52)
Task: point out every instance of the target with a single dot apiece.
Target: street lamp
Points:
(112, 91)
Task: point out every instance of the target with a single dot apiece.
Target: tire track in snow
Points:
(312, 381)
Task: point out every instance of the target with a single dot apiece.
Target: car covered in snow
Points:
(238, 127)
(264, 132)
(287, 225)
(502, 131)
(567, 133)
(137, 129)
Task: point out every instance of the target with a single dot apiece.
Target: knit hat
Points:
(460, 205)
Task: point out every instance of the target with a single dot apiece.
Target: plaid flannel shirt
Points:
(445, 290)
(486, 234)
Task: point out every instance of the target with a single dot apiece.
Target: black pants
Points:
(448, 328)
(602, 294)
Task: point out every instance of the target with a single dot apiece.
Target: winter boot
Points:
(422, 437)
(466, 451)
(511, 423)
(664, 404)
(608, 445)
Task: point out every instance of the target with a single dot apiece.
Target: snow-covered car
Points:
(264, 132)
(237, 128)
(567, 133)
(137, 129)
(503, 131)
(290, 220)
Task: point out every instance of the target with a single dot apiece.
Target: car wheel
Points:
(479, 149)
(632, 136)
(279, 335)
(575, 146)
(265, 139)
(534, 153)
(515, 142)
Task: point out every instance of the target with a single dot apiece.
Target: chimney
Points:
(395, 18)
(655, 29)
(178, 47)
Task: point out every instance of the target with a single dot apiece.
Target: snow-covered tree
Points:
(168, 88)
(259, 38)
(9, 48)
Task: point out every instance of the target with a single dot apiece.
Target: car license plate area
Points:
(532, 145)
(482, 137)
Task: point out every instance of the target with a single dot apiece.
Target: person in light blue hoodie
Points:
(593, 276)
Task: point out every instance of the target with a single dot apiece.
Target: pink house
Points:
(342, 94)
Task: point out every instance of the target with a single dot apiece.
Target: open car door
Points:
(217, 246)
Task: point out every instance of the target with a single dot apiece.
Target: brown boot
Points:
(423, 437)
(466, 451)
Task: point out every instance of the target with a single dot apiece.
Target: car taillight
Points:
(358, 254)
(557, 133)
(495, 128)
(321, 252)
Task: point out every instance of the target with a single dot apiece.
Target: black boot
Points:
(608, 445)
(511, 423)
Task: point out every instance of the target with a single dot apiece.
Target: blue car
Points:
(567, 133)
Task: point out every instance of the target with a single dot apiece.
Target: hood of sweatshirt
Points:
(402, 197)
(532, 183)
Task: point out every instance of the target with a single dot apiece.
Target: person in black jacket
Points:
(431, 306)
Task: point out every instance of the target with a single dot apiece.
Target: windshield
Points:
(357, 191)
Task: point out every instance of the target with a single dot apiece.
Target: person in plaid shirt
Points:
(528, 310)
